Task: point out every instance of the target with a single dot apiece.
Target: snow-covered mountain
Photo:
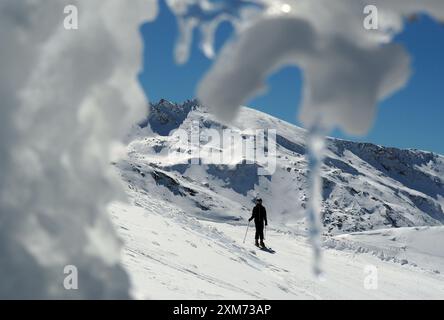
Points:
(184, 226)
(365, 186)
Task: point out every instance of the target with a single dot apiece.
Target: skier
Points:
(260, 216)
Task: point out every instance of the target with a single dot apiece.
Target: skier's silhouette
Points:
(260, 217)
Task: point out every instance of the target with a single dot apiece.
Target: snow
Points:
(413, 246)
(347, 69)
(67, 100)
(171, 255)
(69, 97)
(364, 186)
(184, 228)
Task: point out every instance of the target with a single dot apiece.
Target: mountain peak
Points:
(365, 186)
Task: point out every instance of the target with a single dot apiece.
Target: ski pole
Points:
(245, 238)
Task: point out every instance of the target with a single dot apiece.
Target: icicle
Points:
(316, 146)
(208, 31)
(183, 45)
(206, 16)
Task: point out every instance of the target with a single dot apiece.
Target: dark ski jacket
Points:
(259, 215)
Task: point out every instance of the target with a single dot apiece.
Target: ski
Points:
(269, 250)
(266, 249)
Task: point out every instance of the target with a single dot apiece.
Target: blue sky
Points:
(412, 118)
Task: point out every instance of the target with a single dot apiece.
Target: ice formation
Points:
(67, 99)
(347, 68)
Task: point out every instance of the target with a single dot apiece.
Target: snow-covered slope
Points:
(170, 254)
(418, 246)
(184, 228)
(365, 186)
